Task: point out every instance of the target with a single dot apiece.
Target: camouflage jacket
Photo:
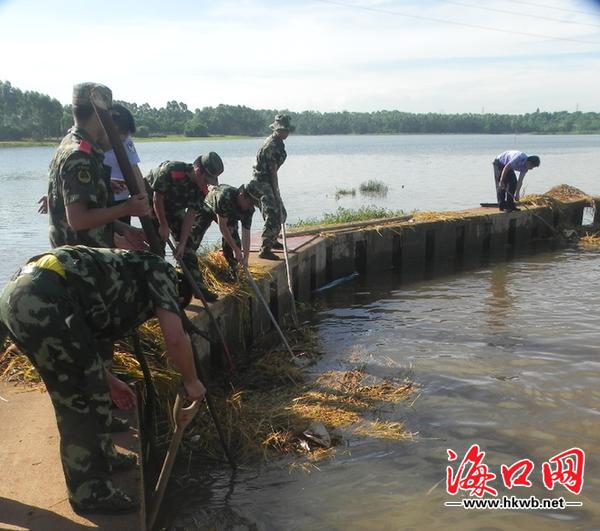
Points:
(180, 192)
(221, 200)
(270, 156)
(117, 290)
(77, 174)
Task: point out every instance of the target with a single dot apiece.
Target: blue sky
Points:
(359, 55)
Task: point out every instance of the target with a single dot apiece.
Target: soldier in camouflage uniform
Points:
(227, 205)
(178, 190)
(80, 200)
(265, 185)
(56, 309)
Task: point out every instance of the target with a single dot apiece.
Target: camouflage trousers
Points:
(203, 222)
(36, 309)
(264, 196)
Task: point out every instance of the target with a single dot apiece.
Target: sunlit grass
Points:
(347, 215)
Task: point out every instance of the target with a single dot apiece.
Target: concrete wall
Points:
(416, 250)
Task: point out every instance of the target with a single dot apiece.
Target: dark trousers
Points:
(506, 196)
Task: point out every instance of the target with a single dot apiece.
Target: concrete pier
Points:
(415, 249)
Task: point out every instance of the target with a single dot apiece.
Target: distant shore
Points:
(182, 138)
(52, 142)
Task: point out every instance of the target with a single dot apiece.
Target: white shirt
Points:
(110, 159)
(516, 159)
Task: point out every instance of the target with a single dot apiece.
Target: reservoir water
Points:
(505, 357)
(424, 172)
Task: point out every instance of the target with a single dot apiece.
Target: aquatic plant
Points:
(342, 192)
(374, 188)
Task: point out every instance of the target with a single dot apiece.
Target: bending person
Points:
(227, 206)
(177, 190)
(57, 308)
(508, 188)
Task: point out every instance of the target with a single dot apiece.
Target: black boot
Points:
(267, 254)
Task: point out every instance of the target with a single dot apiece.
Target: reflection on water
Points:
(506, 357)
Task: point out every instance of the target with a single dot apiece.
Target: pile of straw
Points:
(269, 406)
(420, 217)
(217, 276)
(16, 367)
(266, 413)
(565, 192)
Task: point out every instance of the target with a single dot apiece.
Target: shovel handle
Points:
(183, 414)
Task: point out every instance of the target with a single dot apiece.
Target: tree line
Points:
(32, 115)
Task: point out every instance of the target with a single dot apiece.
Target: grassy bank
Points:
(168, 138)
(347, 215)
(29, 143)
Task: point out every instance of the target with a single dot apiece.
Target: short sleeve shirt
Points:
(110, 159)
(180, 192)
(118, 290)
(77, 174)
(271, 155)
(221, 200)
(516, 159)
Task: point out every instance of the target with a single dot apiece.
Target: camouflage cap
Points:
(212, 165)
(82, 94)
(283, 123)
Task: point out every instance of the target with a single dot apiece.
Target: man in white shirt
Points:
(508, 188)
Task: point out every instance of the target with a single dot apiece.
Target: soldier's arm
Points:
(80, 217)
(222, 221)
(79, 190)
(158, 203)
(179, 350)
(186, 230)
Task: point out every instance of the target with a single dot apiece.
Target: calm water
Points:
(423, 172)
(506, 357)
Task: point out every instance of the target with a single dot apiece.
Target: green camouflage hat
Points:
(212, 165)
(283, 123)
(82, 91)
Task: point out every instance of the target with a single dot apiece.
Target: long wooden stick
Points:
(191, 328)
(288, 273)
(259, 294)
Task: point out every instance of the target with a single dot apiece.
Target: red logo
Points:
(565, 468)
(474, 476)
